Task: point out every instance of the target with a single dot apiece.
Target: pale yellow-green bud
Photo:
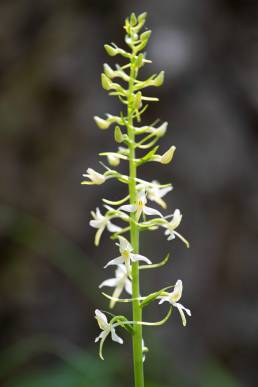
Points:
(160, 131)
(158, 81)
(118, 135)
(139, 60)
(110, 50)
(102, 124)
(108, 71)
(105, 81)
(167, 157)
(133, 19)
(138, 100)
(145, 35)
(142, 17)
(113, 160)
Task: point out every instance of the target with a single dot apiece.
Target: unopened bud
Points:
(118, 135)
(167, 157)
(133, 19)
(145, 35)
(158, 81)
(142, 17)
(138, 100)
(113, 160)
(139, 60)
(110, 50)
(161, 130)
(108, 71)
(102, 124)
(105, 81)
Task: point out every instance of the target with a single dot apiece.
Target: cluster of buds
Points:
(134, 210)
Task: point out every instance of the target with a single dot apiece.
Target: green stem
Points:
(137, 312)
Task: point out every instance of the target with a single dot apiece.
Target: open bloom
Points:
(175, 296)
(127, 255)
(140, 206)
(120, 282)
(106, 329)
(94, 177)
(100, 222)
(172, 225)
(155, 193)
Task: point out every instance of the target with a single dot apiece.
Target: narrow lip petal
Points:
(128, 208)
(111, 282)
(151, 211)
(139, 257)
(115, 261)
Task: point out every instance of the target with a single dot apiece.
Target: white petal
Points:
(100, 336)
(124, 244)
(138, 257)
(163, 299)
(96, 223)
(151, 211)
(100, 316)
(180, 310)
(115, 261)
(128, 208)
(112, 282)
(128, 286)
(115, 337)
(112, 227)
(187, 311)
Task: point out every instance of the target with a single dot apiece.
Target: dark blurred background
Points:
(51, 60)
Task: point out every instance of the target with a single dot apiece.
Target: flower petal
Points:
(112, 227)
(128, 208)
(115, 337)
(151, 211)
(138, 257)
(115, 261)
(111, 282)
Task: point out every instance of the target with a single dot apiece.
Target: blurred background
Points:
(51, 60)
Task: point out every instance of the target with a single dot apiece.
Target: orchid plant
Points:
(136, 146)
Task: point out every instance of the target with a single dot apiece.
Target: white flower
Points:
(155, 193)
(106, 329)
(175, 296)
(140, 206)
(120, 282)
(101, 222)
(94, 177)
(172, 225)
(127, 255)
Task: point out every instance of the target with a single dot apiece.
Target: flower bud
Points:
(158, 81)
(113, 160)
(161, 130)
(138, 100)
(108, 71)
(118, 135)
(102, 124)
(166, 158)
(139, 60)
(110, 50)
(145, 35)
(105, 81)
(133, 19)
(142, 17)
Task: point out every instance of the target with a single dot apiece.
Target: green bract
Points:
(137, 146)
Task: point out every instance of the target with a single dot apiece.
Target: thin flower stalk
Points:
(132, 214)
